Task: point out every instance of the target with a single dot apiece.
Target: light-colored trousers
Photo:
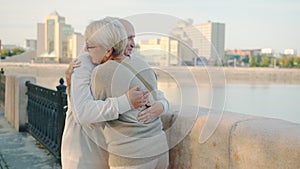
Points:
(79, 151)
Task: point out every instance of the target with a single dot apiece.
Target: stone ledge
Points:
(239, 141)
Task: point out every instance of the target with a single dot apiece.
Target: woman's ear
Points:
(109, 52)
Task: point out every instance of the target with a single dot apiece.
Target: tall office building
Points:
(75, 45)
(40, 46)
(54, 38)
(208, 39)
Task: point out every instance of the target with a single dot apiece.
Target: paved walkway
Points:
(19, 150)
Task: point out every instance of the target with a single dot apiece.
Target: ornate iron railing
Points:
(46, 115)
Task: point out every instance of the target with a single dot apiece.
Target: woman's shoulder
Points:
(108, 66)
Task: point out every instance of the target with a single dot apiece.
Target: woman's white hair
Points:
(107, 33)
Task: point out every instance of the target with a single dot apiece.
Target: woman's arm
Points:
(88, 110)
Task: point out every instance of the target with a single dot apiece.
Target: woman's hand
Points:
(73, 64)
(153, 111)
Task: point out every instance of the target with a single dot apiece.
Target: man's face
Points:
(131, 35)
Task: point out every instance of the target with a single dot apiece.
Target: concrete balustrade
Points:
(15, 109)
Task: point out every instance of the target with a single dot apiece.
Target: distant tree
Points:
(284, 62)
(297, 62)
(274, 62)
(246, 60)
(5, 52)
(14, 51)
(291, 63)
(264, 61)
(17, 51)
(253, 61)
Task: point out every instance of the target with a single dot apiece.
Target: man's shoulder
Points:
(85, 59)
(83, 56)
(137, 58)
(139, 63)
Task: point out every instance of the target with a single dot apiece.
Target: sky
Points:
(250, 24)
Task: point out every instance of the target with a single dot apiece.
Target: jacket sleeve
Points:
(84, 107)
(160, 97)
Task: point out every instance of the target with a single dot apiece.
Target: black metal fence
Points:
(46, 115)
(2, 89)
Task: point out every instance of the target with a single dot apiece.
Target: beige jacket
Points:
(129, 142)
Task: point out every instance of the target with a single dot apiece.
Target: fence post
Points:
(2, 90)
(62, 107)
(61, 87)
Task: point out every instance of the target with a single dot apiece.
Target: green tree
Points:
(297, 62)
(264, 61)
(246, 60)
(17, 51)
(14, 51)
(253, 61)
(5, 52)
(274, 62)
(284, 62)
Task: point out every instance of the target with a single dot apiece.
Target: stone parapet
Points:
(15, 109)
(239, 142)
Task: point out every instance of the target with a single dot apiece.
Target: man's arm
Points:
(157, 107)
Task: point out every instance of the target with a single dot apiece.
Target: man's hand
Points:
(152, 112)
(137, 98)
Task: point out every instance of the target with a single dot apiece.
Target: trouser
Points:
(160, 163)
(79, 151)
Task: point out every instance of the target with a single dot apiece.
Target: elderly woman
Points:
(83, 130)
(78, 150)
(130, 143)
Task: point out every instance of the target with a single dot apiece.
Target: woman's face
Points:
(97, 53)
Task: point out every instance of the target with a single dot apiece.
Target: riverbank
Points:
(48, 74)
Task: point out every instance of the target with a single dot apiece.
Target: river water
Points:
(267, 100)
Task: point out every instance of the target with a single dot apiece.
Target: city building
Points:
(290, 52)
(187, 44)
(267, 51)
(53, 38)
(30, 44)
(161, 51)
(243, 52)
(208, 39)
(75, 45)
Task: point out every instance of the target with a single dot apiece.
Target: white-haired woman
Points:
(78, 150)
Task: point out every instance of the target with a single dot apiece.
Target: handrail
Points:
(46, 115)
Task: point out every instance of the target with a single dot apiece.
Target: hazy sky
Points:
(249, 23)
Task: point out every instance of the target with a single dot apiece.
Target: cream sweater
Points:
(129, 142)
